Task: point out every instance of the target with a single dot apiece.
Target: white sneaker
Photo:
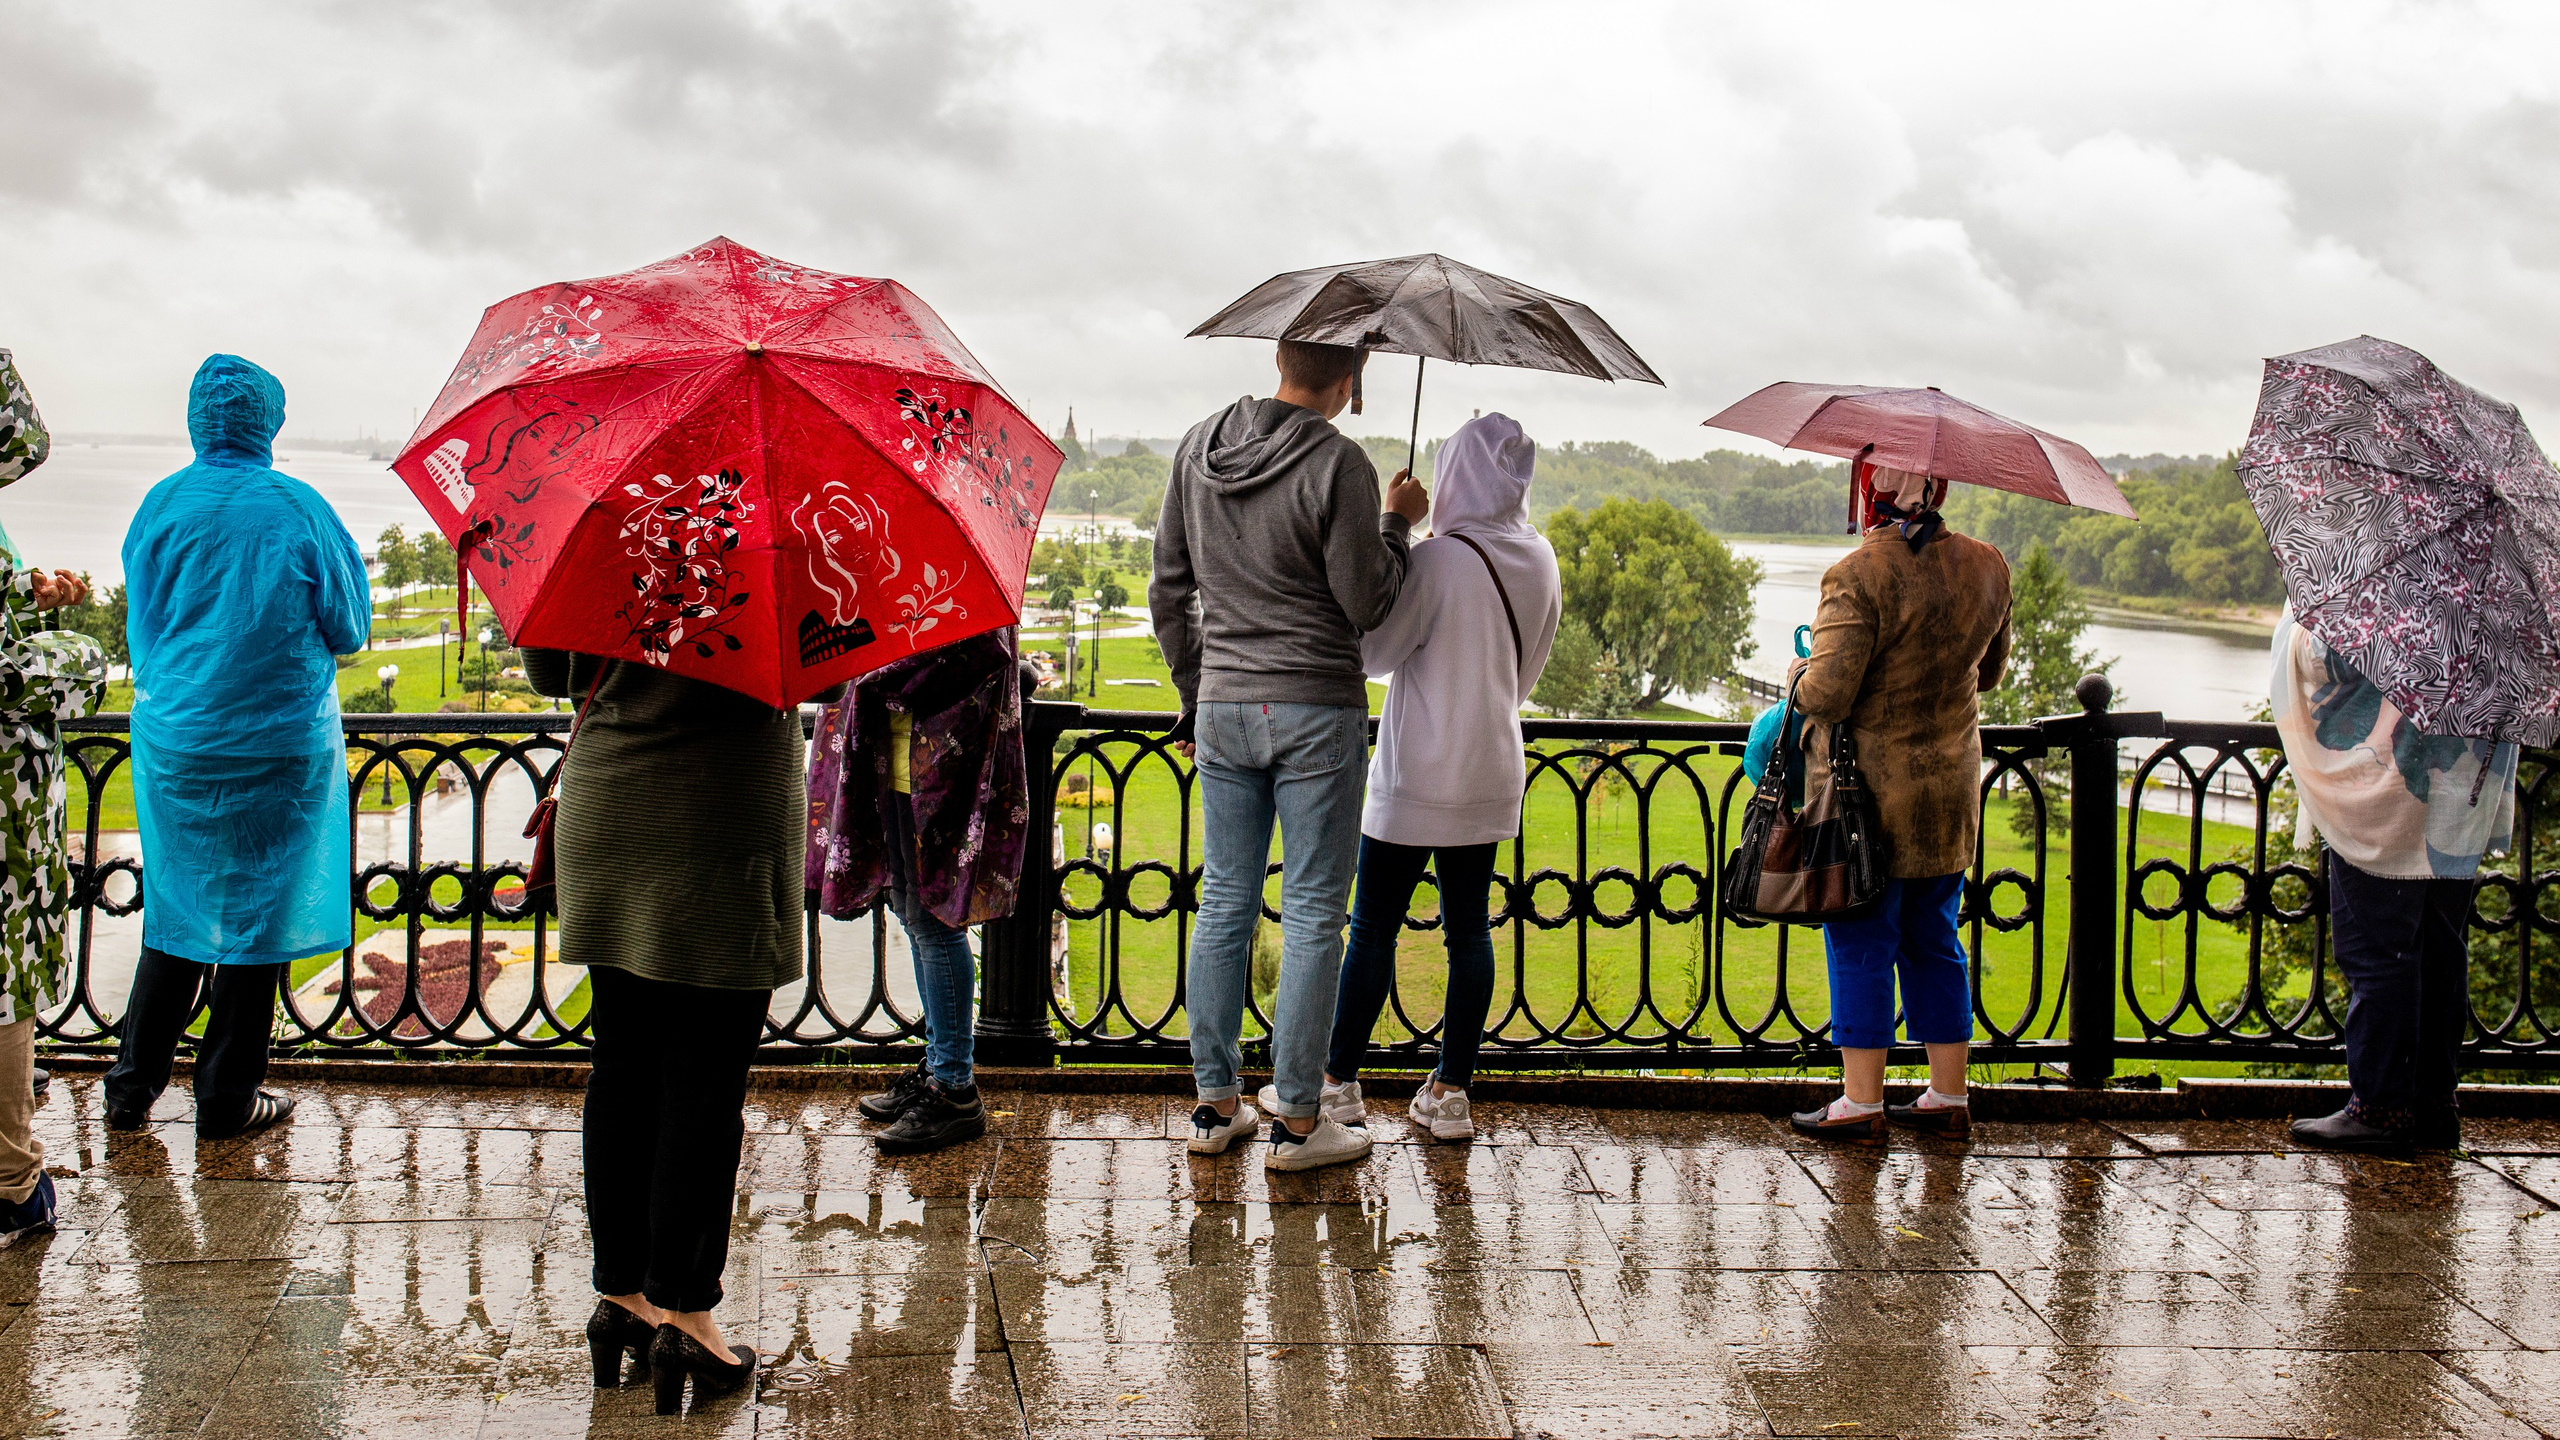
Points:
(1447, 1116)
(1329, 1143)
(1212, 1133)
(1340, 1104)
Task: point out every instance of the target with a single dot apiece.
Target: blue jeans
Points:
(946, 981)
(1306, 766)
(1388, 875)
(1912, 933)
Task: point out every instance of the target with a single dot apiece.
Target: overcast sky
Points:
(2096, 218)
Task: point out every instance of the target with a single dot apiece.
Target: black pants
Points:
(1388, 875)
(231, 1059)
(2403, 949)
(665, 1117)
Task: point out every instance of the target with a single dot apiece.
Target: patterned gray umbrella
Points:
(1434, 308)
(2418, 527)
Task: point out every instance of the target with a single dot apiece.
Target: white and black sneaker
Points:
(1340, 1104)
(1212, 1133)
(1446, 1116)
(1330, 1143)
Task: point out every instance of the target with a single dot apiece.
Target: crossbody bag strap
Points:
(1519, 652)
(579, 721)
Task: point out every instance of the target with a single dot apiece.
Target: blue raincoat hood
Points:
(234, 411)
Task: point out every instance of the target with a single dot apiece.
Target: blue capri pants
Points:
(1913, 934)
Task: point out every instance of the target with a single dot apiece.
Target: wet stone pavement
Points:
(405, 1261)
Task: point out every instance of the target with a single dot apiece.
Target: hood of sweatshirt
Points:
(1480, 479)
(234, 411)
(1254, 442)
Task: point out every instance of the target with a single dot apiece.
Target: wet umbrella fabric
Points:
(1434, 308)
(764, 476)
(1926, 432)
(2417, 524)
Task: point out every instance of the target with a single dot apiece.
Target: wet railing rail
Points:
(2112, 917)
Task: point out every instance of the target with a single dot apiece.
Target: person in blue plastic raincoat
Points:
(243, 587)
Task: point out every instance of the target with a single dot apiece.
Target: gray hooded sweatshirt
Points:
(1272, 556)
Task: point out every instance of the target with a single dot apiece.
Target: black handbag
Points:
(1826, 859)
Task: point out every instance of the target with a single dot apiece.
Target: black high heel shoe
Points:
(611, 1331)
(673, 1355)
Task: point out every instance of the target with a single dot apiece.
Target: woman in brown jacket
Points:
(1912, 627)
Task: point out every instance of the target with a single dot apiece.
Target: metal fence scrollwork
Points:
(2137, 897)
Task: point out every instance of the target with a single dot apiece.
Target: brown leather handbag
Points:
(541, 884)
(1826, 859)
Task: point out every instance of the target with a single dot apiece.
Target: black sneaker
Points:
(120, 1118)
(2346, 1130)
(938, 1118)
(891, 1103)
(265, 1108)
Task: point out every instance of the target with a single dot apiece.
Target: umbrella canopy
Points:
(2418, 527)
(1927, 432)
(764, 476)
(1433, 306)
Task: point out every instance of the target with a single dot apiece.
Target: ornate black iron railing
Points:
(2167, 918)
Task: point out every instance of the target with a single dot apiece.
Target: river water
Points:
(2187, 673)
(73, 512)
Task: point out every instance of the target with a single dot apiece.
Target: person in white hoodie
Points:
(1465, 643)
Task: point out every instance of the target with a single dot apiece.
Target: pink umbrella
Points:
(1927, 432)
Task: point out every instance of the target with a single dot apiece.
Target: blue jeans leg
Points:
(1236, 810)
(1302, 767)
(947, 983)
(1320, 774)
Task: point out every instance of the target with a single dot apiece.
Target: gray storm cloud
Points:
(2098, 219)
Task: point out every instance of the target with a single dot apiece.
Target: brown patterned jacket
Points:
(1903, 646)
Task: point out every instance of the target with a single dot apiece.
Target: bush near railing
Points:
(2170, 922)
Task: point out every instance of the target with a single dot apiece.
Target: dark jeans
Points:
(2403, 949)
(231, 1059)
(665, 1119)
(1388, 875)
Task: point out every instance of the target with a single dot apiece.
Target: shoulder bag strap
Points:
(1519, 652)
(579, 721)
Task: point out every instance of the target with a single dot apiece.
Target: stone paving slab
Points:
(415, 1262)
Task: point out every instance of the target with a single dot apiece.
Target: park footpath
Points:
(412, 1259)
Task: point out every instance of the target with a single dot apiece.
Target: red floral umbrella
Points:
(757, 474)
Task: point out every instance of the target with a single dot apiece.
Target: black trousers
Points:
(231, 1059)
(2403, 948)
(665, 1118)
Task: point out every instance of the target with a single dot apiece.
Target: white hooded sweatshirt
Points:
(1448, 768)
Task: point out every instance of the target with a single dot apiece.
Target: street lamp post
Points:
(443, 628)
(486, 635)
(388, 675)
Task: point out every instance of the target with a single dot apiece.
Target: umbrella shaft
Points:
(1413, 441)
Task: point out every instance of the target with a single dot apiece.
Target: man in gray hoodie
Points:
(1272, 555)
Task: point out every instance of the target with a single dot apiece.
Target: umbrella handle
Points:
(1412, 443)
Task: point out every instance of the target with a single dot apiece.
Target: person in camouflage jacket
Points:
(46, 677)
(23, 441)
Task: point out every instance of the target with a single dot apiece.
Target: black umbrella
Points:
(1431, 307)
